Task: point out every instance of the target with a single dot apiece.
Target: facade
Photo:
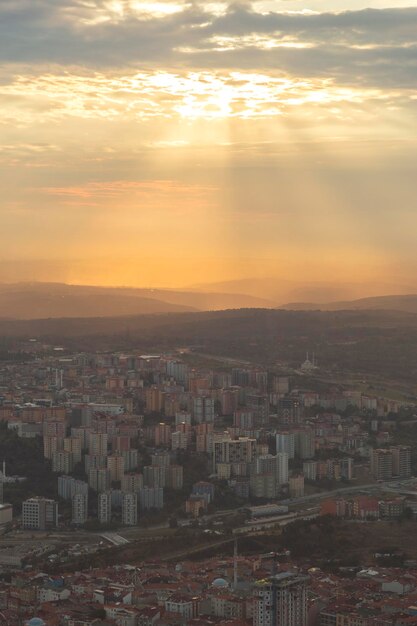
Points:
(99, 479)
(175, 477)
(130, 509)
(104, 507)
(240, 450)
(73, 445)
(79, 508)
(98, 444)
(281, 601)
(68, 486)
(401, 461)
(163, 434)
(381, 464)
(285, 442)
(154, 476)
(203, 409)
(296, 486)
(116, 467)
(62, 462)
(305, 444)
(151, 498)
(131, 483)
(39, 514)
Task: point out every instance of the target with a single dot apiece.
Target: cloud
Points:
(373, 47)
(155, 195)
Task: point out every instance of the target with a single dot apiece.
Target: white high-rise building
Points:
(104, 507)
(68, 486)
(286, 443)
(130, 509)
(282, 468)
(281, 600)
(79, 508)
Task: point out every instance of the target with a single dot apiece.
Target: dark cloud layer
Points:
(371, 47)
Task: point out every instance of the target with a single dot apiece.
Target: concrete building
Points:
(178, 371)
(154, 476)
(130, 509)
(281, 601)
(68, 486)
(381, 464)
(99, 479)
(39, 514)
(203, 409)
(227, 451)
(175, 477)
(401, 461)
(305, 444)
(310, 470)
(51, 444)
(92, 461)
(273, 464)
(258, 405)
(131, 458)
(98, 444)
(285, 442)
(73, 446)
(296, 486)
(161, 459)
(151, 498)
(163, 435)
(131, 483)
(62, 462)
(82, 433)
(79, 508)
(179, 440)
(263, 485)
(104, 507)
(116, 467)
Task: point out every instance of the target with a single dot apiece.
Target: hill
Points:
(56, 300)
(282, 290)
(403, 303)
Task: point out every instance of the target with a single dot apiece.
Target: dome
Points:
(220, 582)
(36, 621)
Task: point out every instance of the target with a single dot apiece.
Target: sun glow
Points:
(157, 9)
(148, 95)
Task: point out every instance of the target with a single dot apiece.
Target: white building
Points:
(104, 507)
(39, 514)
(286, 443)
(79, 508)
(130, 509)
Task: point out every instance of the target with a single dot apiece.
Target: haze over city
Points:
(208, 313)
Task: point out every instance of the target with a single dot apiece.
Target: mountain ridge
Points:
(61, 300)
(406, 303)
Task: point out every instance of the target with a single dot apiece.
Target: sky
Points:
(178, 142)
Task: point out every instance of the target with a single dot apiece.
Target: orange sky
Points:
(168, 143)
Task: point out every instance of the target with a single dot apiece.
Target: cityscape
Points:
(178, 489)
(208, 313)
